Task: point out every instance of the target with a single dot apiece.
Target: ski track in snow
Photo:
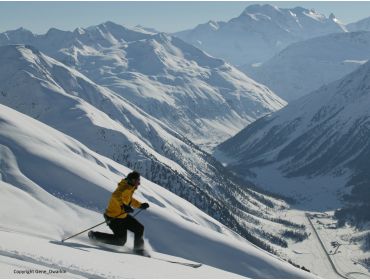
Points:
(44, 217)
(88, 261)
(50, 264)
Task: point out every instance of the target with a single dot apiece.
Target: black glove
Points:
(127, 208)
(144, 206)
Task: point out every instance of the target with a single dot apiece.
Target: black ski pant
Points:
(119, 228)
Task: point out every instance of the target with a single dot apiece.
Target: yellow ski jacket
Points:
(122, 195)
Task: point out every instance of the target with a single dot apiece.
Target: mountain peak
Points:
(18, 33)
(210, 25)
(333, 18)
(20, 30)
(56, 32)
(79, 31)
(242, 39)
(299, 10)
(108, 25)
(261, 8)
(111, 24)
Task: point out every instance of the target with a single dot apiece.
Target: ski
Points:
(147, 255)
(193, 265)
(144, 254)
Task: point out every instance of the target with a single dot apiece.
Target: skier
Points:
(118, 218)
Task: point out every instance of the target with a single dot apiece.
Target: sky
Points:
(163, 16)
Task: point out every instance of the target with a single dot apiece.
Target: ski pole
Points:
(82, 231)
(96, 226)
(137, 213)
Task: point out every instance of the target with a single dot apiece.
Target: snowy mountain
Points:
(259, 32)
(316, 149)
(305, 66)
(45, 178)
(63, 98)
(361, 25)
(198, 96)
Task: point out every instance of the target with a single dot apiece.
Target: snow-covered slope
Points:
(199, 96)
(45, 178)
(305, 66)
(259, 32)
(61, 97)
(361, 25)
(313, 147)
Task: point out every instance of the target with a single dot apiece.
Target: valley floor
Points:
(310, 253)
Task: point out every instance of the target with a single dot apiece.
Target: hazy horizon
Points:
(39, 17)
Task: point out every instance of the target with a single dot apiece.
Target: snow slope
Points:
(18, 259)
(259, 32)
(104, 121)
(305, 66)
(314, 147)
(45, 178)
(198, 96)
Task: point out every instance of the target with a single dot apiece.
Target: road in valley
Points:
(340, 275)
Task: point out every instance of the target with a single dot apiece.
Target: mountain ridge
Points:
(321, 134)
(259, 32)
(307, 65)
(65, 99)
(37, 162)
(361, 25)
(184, 80)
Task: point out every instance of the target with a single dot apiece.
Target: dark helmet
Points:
(132, 177)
